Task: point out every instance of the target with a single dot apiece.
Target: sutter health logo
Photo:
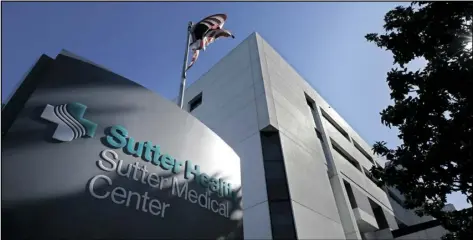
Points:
(71, 124)
(70, 121)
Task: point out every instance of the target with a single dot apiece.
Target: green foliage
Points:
(432, 108)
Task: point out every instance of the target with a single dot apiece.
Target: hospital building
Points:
(305, 171)
(296, 168)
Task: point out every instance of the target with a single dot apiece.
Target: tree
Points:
(432, 109)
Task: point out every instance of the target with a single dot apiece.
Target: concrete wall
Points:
(252, 88)
(233, 106)
(243, 97)
(294, 119)
(362, 201)
(309, 185)
(289, 113)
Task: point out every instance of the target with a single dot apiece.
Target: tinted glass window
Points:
(282, 220)
(195, 102)
(271, 146)
(276, 181)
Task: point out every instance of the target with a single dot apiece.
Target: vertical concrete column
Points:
(347, 217)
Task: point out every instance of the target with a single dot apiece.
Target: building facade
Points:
(304, 169)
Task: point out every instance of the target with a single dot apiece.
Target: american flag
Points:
(206, 32)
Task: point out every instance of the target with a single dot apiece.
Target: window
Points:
(344, 155)
(379, 215)
(195, 102)
(310, 102)
(350, 194)
(369, 175)
(282, 220)
(274, 167)
(276, 181)
(335, 125)
(280, 209)
(271, 146)
(362, 151)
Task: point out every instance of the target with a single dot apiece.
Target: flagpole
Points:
(184, 68)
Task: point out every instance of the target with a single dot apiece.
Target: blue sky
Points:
(323, 41)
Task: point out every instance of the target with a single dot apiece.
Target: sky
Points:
(144, 42)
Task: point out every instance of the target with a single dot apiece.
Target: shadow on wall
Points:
(85, 75)
(71, 76)
(28, 134)
(81, 216)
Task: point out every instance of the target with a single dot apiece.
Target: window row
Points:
(279, 201)
(337, 148)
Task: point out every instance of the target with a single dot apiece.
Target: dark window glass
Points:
(310, 102)
(379, 215)
(362, 151)
(369, 175)
(350, 194)
(348, 158)
(274, 170)
(282, 220)
(335, 125)
(195, 102)
(276, 182)
(271, 146)
(274, 167)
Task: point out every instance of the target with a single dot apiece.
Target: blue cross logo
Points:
(70, 121)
